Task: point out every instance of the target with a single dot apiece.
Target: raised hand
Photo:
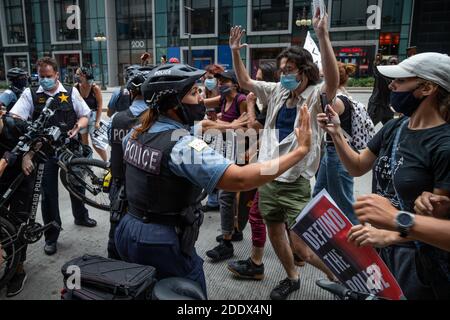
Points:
(236, 35)
(320, 24)
(304, 132)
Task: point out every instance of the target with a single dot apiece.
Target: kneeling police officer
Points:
(167, 168)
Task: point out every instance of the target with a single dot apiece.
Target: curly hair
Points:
(304, 62)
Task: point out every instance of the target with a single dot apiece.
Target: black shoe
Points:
(16, 284)
(246, 269)
(235, 237)
(209, 208)
(50, 248)
(88, 222)
(284, 289)
(221, 252)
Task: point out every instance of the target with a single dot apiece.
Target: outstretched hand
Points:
(320, 24)
(236, 35)
(304, 132)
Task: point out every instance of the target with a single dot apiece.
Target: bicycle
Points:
(80, 175)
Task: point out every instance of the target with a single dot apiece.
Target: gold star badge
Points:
(64, 98)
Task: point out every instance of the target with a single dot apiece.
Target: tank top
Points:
(90, 100)
(233, 112)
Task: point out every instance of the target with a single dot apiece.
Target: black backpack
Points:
(107, 279)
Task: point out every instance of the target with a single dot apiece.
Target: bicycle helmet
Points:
(136, 81)
(16, 73)
(130, 71)
(169, 81)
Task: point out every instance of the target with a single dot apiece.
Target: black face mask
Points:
(193, 113)
(405, 102)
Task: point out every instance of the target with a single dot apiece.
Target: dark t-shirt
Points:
(422, 163)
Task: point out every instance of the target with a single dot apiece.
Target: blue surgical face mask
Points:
(290, 81)
(211, 84)
(47, 83)
(405, 102)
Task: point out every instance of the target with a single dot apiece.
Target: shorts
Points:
(282, 202)
(91, 124)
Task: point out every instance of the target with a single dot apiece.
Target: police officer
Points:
(18, 79)
(121, 99)
(71, 115)
(121, 125)
(167, 168)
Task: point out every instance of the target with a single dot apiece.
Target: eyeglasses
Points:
(287, 71)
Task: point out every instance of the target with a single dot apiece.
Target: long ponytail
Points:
(146, 121)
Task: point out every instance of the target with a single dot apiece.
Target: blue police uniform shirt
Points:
(8, 97)
(191, 158)
(136, 108)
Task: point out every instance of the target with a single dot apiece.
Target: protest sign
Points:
(324, 228)
(100, 136)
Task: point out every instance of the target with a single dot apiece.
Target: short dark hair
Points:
(269, 71)
(304, 62)
(47, 61)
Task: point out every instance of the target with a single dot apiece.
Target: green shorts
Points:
(281, 202)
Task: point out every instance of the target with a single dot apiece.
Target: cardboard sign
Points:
(324, 228)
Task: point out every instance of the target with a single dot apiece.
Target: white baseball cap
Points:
(431, 66)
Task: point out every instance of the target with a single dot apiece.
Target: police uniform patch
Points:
(63, 98)
(198, 145)
(41, 100)
(143, 157)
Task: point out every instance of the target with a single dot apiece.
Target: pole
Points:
(190, 35)
(101, 65)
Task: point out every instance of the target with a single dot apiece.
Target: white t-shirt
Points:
(24, 107)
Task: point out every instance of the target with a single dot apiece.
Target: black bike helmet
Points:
(16, 73)
(136, 81)
(169, 80)
(130, 71)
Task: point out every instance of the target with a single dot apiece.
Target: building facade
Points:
(197, 31)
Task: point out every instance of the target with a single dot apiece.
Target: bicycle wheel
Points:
(85, 179)
(9, 250)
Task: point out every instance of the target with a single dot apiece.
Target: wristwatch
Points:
(404, 221)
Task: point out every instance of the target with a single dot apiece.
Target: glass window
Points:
(350, 13)
(62, 32)
(392, 12)
(15, 26)
(199, 16)
(200, 58)
(263, 55)
(270, 15)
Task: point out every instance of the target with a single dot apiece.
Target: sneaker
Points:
(221, 252)
(284, 289)
(16, 284)
(207, 208)
(247, 269)
(235, 237)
